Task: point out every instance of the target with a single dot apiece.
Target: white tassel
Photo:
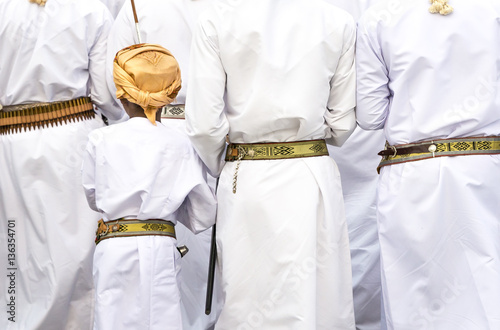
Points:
(440, 6)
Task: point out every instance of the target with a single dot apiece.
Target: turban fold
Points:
(147, 75)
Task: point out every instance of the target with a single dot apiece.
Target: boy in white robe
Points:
(142, 170)
(170, 23)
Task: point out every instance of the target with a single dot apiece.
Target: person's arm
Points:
(88, 171)
(206, 122)
(197, 211)
(373, 92)
(100, 95)
(122, 34)
(340, 116)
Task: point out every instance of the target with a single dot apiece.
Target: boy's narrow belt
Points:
(276, 150)
(133, 227)
(37, 115)
(397, 154)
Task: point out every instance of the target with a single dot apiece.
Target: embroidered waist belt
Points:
(488, 145)
(37, 115)
(276, 150)
(133, 227)
(175, 111)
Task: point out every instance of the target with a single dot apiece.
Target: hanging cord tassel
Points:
(241, 154)
(39, 2)
(440, 6)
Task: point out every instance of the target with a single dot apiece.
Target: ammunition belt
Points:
(19, 118)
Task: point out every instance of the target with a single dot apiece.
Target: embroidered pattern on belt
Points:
(273, 150)
(175, 111)
(276, 150)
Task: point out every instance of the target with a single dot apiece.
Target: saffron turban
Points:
(147, 75)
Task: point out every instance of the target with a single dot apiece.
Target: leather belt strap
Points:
(276, 150)
(397, 154)
(23, 117)
(133, 227)
(175, 111)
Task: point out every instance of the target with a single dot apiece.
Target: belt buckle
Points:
(395, 151)
(232, 152)
(99, 232)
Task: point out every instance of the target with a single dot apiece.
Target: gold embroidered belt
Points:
(37, 115)
(276, 150)
(397, 154)
(133, 227)
(175, 111)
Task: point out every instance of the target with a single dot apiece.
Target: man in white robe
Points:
(276, 71)
(49, 54)
(425, 77)
(357, 161)
(169, 23)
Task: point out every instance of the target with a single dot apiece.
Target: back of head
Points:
(147, 75)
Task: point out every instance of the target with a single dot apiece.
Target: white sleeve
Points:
(373, 92)
(121, 35)
(340, 116)
(198, 210)
(206, 122)
(88, 174)
(97, 62)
